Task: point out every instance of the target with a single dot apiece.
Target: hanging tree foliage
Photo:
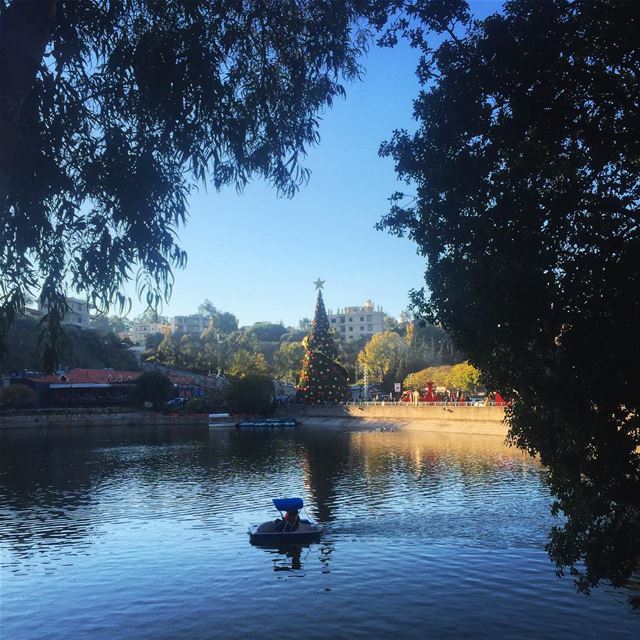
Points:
(111, 112)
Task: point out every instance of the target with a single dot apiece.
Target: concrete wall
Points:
(95, 419)
(449, 418)
(444, 419)
(401, 411)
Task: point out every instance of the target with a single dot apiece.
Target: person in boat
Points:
(290, 522)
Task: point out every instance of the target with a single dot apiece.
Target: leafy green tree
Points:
(150, 315)
(391, 324)
(169, 350)
(210, 350)
(222, 321)
(153, 340)
(463, 377)
(429, 345)
(208, 309)
(251, 394)
(246, 363)
(225, 322)
(267, 331)
(111, 112)
(117, 324)
(113, 323)
(418, 380)
(17, 396)
(293, 335)
(81, 348)
(153, 387)
(383, 356)
(230, 344)
(349, 351)
(214, 401)
(288, 360)
(525, 171)
(188, 352)
(100, 323)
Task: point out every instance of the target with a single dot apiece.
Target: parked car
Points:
(176, 402)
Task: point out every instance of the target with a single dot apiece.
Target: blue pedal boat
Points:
(279, 532)
(268, 422)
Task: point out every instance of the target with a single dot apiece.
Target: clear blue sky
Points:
(257, 255)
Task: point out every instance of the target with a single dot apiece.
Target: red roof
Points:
(99, 376)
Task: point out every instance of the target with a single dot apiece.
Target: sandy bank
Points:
(441, 419)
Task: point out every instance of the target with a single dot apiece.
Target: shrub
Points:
(251, 394)
(151, 387)
(208, 404)
(17, 396)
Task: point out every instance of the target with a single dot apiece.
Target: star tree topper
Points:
(319, 284)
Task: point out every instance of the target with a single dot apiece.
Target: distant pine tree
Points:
(322, 378)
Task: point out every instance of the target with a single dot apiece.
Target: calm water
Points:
(141, 533)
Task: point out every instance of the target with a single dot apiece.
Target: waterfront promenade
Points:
(437, 417)
(445, 418)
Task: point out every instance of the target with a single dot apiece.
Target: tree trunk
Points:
(25, 29)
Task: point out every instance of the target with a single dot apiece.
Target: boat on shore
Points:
(268, 422)
(221, 420)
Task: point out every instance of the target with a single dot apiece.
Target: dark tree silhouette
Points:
(526, 186)
(151, 386)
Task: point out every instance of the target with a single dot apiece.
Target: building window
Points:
(341, 320)
(361, 328)
(361, 318)
(369, 327)
(368, 318)
(350, 319)
(333, 320)
(350, 328)
(342, 329)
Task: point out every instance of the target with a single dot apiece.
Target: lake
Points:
(140, 532)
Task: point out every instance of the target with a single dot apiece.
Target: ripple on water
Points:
(144, 531)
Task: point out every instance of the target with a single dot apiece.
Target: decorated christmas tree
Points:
(322, 378)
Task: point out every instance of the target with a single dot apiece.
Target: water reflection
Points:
(438, 535)
(324, 462)
(286, 557)
(294, 557)
(62, 486)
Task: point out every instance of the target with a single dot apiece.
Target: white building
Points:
(192, 325)
(77, 314)
(140, 330)
(352, 323)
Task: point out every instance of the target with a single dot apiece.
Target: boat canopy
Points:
(285, 504)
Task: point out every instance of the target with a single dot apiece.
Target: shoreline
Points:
(440, 419)
(435, 418)
(105, 418)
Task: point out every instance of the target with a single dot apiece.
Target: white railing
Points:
(442, 403)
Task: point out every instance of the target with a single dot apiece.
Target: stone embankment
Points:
(95, 418)
(447, 418)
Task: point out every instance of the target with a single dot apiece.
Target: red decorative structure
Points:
(499, 400)
(428, 395)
